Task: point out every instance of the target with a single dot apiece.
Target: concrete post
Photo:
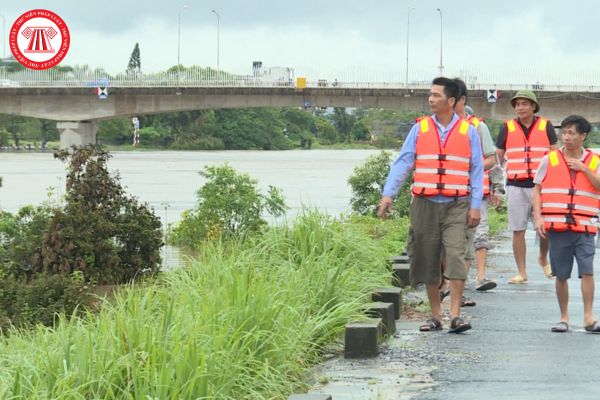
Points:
(76, 133)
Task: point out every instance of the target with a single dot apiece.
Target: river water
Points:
(168, 180)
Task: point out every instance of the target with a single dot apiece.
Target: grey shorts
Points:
(478, 237)
(433, 226)
(520, 207)
(566, 246)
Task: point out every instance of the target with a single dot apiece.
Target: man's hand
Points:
(539, 226)
(576, 165)
(385, 206)
(473, 218)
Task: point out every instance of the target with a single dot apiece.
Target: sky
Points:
(550, 41)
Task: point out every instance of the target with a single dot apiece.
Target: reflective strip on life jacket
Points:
(441, 171)
(443, 157)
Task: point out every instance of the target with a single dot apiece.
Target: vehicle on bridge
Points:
(272, 76)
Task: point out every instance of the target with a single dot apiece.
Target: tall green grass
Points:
(244, 321)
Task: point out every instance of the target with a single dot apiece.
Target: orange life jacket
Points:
(524, 154)
(442, 169)
(569, 203)
(475, 121)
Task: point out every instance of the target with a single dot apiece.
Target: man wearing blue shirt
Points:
(445, 152)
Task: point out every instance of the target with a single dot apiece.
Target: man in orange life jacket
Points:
(524, 141)
(566, 202)
(445, 152)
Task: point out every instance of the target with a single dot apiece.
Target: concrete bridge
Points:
(77, 108)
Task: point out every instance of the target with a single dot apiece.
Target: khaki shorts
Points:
(520, 207)
(433, 226)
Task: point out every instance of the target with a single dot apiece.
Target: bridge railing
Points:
(210, 78)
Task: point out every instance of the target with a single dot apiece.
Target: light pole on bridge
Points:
(441, 67)
(3, 36)
(407, 36)
(218, 28)
(179, 43)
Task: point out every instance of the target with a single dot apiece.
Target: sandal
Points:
(431, 325)
(548, 271)
(467, 302)
(517, 280)
(561, 327)
(594, 327)
(458, 325)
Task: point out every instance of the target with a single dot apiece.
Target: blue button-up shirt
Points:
(405, 162)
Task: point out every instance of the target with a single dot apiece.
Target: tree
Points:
(106, 235)
(367, 184)
(229, 205)
(135, 61)
(343, 122)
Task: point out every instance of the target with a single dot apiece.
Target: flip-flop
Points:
(431, 325)
(548, 271)
(593, 327)
(458, 325)
(561, 327)
(517, 280)
(485, 285)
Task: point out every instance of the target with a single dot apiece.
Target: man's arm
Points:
(537, 210)
(552, 138)
(487, 146)
(476, 169)
(475, 178)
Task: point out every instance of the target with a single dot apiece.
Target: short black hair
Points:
(451, 89)
(581, 124)
(462, 87)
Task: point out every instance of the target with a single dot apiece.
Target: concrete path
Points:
(509, 354)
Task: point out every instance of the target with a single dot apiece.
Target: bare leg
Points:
(587, 290)
(457, 286)
(481, 257)
(433, 293)
(562, 294)
(520, 250)
(543, 258)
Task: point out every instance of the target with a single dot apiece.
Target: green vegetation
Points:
(243, 322)
(51, 255)
(229, 206)
(367, 185)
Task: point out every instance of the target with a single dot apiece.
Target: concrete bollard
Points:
(403, 259)
(385, 311)
(362, 339)
(310, 396)
(389, 295)
(400, 275)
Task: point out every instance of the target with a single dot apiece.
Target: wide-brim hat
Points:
(527, 95)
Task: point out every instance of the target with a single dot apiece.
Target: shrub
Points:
(103, 233)
(229, 205)
(39, 300)
(367, 185)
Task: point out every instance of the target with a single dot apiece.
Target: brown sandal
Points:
(431, 325)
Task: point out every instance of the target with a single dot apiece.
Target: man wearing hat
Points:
(524, 141)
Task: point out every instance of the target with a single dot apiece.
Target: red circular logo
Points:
(39, 39)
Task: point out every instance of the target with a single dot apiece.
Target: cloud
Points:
(509, 41)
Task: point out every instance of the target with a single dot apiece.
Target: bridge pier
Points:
(78, 133)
